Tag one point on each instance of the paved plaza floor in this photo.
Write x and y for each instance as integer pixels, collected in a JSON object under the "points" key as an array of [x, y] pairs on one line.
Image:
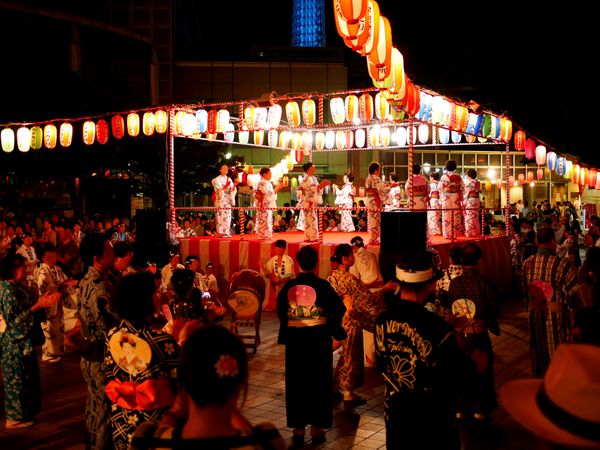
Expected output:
{"points": [[61, 423]]}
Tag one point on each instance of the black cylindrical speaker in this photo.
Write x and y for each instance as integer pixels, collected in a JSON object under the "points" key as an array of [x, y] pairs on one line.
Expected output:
{"points": [[403, 231], [150, 236]]}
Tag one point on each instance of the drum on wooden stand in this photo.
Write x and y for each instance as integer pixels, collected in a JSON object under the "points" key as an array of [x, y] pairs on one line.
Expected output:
{"points": [[247, 293]]}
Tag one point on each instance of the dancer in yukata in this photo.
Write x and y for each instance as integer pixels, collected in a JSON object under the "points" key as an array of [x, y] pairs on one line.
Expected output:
{"points": [[419, 187], [434, 217], [451, 187], [395, 193], [378, 196], [225, 191], [472, 204], [265, 198], [312, 196], [344, 197]]}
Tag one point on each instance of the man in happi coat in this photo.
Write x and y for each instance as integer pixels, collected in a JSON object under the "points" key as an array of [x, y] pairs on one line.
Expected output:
{"points": [[225, 192], [265, 199], [312, 196], [471, 193], [434, 217], [420, 188], [451, 187], [344, 197], [378, 196]]}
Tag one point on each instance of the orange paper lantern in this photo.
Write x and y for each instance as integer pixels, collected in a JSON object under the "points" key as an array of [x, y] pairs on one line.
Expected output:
{"points": [[148, 123], [592, 174], [351, 108], [519, 141], [161, 121], [540, 173], [576, 173], [308, 112], [292, 112], [365, 107], [530, 176], [133, 124], [50, 135], [65, 134], [89, 132], [381, 57]]}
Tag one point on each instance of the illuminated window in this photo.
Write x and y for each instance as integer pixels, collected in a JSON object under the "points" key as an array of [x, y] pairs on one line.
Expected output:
{"points": [[308, 23]]}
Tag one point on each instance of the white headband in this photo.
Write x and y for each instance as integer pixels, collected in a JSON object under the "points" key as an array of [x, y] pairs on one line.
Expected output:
{"points": [[418, 276]]}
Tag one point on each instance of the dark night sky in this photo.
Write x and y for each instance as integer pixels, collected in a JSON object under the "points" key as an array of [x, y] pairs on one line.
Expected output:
{"points": [[535, 65]]}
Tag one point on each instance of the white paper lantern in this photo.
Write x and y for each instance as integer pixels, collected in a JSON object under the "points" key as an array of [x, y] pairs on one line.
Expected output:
{"points": [[23, 139]]}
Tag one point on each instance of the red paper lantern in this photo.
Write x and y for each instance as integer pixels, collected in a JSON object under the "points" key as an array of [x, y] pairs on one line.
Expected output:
{"points": [[351, 10], [118, 126], [521, 178], [576, 173], [212, 122], [530, 176], [529, 149], [520, 140], [298, 155], [102, 131], [380, 58], [540, 173], [592, 174]]}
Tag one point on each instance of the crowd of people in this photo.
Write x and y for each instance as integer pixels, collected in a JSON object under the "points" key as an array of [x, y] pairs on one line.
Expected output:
{"points": [[70, 286]]}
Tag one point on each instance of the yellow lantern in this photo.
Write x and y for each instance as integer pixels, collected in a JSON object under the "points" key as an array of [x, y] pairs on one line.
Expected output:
{"points": [[488, 185], [161, 121], [50, 136], [148, 123], [296, 141], [382, 107], [374, 135], [65, 134], [336, 106], [37, 137], [385, 136], [292, 112], [351, 106], [133, 124], [249, 117], [8, 140], [89, 132], [259, 137], [308, 112], [289, 160], [23, 139]]}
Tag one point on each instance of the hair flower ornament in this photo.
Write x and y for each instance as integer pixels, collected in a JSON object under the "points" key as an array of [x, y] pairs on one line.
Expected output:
{"points": [[227, 366]]}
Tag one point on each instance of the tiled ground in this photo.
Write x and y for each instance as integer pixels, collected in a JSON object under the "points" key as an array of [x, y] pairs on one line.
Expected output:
{"points": [[61, 422]]}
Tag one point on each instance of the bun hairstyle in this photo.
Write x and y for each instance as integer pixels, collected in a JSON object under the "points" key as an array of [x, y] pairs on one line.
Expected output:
{"points": [[307, 166], [451, 165], [350, 177], [214, 365]]}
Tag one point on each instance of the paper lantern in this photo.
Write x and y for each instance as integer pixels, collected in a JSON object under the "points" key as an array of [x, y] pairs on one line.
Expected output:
{"points": [[496, 127], [597, 181], [8, 140], [505, 129], [37, 137], [359, 138], [259, 137], [161, 121], [340, 140], [568, 170], [365, 107], [211, 122], [583, 176], [148, 123], [371, 24], [50, 135], [201, 118], [592, 174], [385, 136], [272, 138], [380, 58], [455, 137], [329, 139], [337, 109], [488, 185], [374, 136], [382, 107], [474, 124], [443, 135], [307, 141], [260, 117], [298, 156], [292, 112], [540, 155], [576, 173], [499, 184], [551, 161], [530, 176], [65, 134], [347, 28], [425, 110], [274, 116], [351, 10], [451, 120], [189, 126], [470, 138], [423, 133], [249, 112], [23, 139], [462, 118], [530, 149], [229, 134], [296, 141], [521, 178], [395, 83], [540, 173], [400, 136], [320, 140], [133, 124], [561, 166], [308, 112], [243, 135], [89, 132], [519, 141], [487, 126], [118, 126], [351, 108]]}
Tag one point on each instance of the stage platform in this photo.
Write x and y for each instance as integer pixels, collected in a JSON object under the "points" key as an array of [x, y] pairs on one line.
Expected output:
{"points": [[232, 254]]}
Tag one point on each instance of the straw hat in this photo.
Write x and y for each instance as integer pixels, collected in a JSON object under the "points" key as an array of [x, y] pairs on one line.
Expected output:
{"points": [[564, 406]]}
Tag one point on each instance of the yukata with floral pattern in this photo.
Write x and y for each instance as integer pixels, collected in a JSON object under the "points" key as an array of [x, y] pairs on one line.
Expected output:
{"points": [[434, 217], [265, 199], [366, 305], [312, 197], [344, 197], [225, 192], [451, 187], [378, 196], [49, 279], [149, 369], [20, 370], [472, 204]]}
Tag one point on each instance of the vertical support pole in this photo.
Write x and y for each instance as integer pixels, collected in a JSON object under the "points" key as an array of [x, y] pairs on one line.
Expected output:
{"points": [[172, 168], [507, 207], [411, 198]]}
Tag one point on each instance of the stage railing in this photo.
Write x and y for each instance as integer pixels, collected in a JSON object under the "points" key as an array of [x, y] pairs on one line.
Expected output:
{"points": [[321, 209]]}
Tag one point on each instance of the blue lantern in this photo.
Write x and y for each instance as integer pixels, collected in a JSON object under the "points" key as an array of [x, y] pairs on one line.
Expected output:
{"points": [[551, 160], [455, 136], [444, 135], [561, 166]]}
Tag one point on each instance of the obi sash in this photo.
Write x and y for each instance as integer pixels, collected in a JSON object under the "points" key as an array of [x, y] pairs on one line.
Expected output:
{"points": [[145, 396], [420, 190], [434, 194], [454, 185]]}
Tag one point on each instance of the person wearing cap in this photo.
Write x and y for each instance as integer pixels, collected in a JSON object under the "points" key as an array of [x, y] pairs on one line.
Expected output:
{"points": [[225, 191], [210, 280], [193, 263], [366, 266], [344, 197], [167, 271], [451, 188], [421, 361], [474, 298], [378, 195], [562, 407], [278, 269], [312, 196], [472, 202], [265, 198], [420, 188]]}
